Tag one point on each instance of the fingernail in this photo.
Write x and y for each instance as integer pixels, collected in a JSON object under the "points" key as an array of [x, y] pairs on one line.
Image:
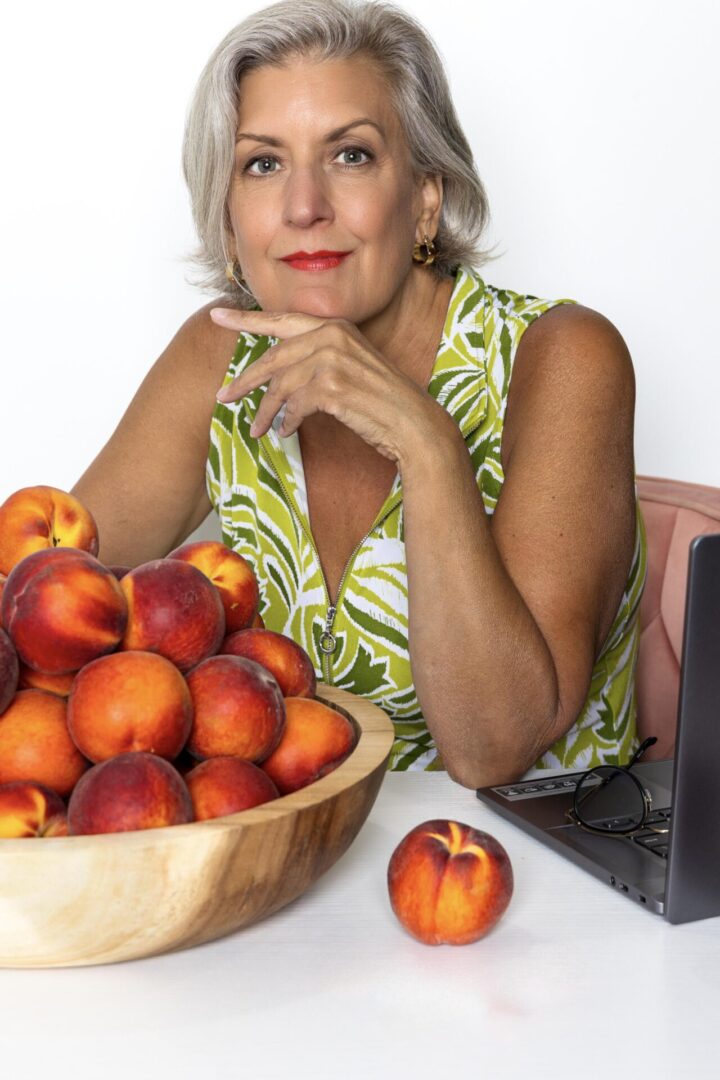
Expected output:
{"points": [[254, 429], [218, 314]]}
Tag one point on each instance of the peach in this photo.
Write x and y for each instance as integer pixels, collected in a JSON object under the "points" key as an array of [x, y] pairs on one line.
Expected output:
{"points": [[316, 740], [41, 518], [173, 610], [131, 791], [62, 608], [226, 785], [40, 680], [448, 882], [9, 671], [3, 579], [129, 701], [35, 743], [238, 707], [287, 661], [30, 809], [232, 575]]}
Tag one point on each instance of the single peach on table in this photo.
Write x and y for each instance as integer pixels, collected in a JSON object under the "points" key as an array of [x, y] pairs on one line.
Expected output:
{"points": [[40, 518], [174, 610], [9, 671], [316, 740], [226, 785], [40, 680], [129, 701], [448, 882], [63, 608], [286, 660], [132, 791], [29, 809], [238, 709], [35, 743], [232, 575]]}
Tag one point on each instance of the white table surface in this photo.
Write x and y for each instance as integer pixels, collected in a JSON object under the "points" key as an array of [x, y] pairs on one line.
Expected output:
{"points": [[574, 981]]}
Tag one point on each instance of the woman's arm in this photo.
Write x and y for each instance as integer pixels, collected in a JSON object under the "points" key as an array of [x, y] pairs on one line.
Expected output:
{"points": [[507, 614], [146, 487]]}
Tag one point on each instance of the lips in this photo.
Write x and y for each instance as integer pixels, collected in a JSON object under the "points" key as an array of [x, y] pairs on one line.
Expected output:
{"points": [[315, 260]]}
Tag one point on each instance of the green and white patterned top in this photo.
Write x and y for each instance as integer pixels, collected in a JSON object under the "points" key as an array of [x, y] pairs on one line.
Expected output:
{"points": [[258, 490]]}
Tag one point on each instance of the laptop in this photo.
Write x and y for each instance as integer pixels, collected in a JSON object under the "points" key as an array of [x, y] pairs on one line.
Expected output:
{"points": [[675, 873]]}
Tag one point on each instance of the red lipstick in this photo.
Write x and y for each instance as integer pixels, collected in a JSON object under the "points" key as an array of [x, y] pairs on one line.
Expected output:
{"points": [[315, 260]]}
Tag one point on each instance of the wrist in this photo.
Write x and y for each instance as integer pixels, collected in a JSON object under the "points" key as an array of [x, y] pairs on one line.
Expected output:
{"points": [[438, 446]]}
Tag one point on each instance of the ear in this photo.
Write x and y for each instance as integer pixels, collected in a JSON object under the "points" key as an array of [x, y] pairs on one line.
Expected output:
{"points": [[430, 196]]}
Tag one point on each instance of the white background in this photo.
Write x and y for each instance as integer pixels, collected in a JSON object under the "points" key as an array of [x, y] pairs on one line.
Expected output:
{"points": [[594, 127]]}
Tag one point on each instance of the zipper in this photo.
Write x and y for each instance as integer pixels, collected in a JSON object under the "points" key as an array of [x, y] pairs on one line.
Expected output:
{"points": [[328, 641]]}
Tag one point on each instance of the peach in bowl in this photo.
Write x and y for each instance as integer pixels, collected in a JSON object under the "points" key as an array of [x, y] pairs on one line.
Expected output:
{"points": [[106, 897]]}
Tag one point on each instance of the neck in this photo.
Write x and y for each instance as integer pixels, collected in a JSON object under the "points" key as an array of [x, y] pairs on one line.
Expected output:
{"points": [[407, 333]]}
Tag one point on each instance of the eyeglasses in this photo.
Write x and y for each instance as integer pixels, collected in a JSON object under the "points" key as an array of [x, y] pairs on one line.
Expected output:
{"points": [[610, 799]]}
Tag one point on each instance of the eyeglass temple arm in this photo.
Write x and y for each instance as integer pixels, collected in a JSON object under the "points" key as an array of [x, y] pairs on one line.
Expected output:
{"points": [[650, 741]]}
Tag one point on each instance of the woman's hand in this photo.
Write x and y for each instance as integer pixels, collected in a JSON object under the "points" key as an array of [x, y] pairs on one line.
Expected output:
{"points": [[327, 365]]}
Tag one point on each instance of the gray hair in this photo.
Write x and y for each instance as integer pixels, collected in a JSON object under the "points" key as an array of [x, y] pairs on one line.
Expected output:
{"points": [[331, 29]]}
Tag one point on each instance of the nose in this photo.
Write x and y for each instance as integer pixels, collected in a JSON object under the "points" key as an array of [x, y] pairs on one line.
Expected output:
{"points": [[306, 197]]}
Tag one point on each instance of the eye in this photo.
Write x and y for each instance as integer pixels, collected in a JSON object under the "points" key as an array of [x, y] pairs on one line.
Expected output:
{"points": [[262, 159], [355, 150]]}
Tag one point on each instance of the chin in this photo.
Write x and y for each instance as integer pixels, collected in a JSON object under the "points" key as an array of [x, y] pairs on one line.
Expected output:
{"points": [[320, 301]]}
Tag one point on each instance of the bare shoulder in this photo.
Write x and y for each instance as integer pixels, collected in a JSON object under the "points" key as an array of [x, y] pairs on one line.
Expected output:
{"points": [[201, 346], [575, 342], [571, 361]]}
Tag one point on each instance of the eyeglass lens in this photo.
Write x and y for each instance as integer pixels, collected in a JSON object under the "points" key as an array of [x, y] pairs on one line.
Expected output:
{"points": [[609, 798]]}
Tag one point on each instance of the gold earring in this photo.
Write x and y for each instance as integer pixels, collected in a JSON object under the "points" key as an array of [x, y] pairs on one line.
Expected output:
{"points": [[233, 274], [426, 257]]}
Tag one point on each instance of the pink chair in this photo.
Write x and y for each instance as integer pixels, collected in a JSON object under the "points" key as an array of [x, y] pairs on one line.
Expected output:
{"points": [[675, 512]]}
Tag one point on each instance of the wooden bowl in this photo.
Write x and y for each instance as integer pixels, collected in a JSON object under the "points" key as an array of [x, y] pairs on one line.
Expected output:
{"points": [[73, 900]]}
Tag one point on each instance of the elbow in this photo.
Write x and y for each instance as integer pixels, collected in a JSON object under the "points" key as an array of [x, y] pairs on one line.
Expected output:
{"points": [[489, 761]]}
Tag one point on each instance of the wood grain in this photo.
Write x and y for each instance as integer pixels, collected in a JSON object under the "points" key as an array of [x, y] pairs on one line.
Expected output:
{"points": [[77, 900]]}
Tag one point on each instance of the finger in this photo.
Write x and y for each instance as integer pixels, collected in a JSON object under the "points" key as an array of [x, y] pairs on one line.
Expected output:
{"points": [[280, 324], [280, 389], [258, 374], [303, 403], [277, 359]]}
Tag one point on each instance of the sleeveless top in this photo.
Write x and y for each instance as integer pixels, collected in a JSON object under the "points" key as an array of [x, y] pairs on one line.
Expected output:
{"points": [[360, 644]]}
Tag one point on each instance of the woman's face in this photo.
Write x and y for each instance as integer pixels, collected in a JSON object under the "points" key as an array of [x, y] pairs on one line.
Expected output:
{"points": [[301, 186]]}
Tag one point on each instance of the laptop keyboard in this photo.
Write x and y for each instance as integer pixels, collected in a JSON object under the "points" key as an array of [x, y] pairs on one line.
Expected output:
{"points": [[650, 838]]}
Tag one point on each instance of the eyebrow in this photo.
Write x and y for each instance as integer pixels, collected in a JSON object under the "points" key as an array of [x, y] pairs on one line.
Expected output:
{"points": [[331, 136]]}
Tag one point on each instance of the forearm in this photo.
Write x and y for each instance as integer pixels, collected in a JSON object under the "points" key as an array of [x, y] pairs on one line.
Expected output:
{"points": [[484, 676]]}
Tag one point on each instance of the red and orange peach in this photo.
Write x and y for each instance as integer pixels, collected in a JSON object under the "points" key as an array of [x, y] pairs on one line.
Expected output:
{"points": [[129, 701], [283, 658], [238, 709], [30, 809], [132, 791], [232, 575], [62, 608], [315, 741], [174, 610], [9, 671], [40, 680], [35, 743], [448, 882], [41, 518], [226, 785]]}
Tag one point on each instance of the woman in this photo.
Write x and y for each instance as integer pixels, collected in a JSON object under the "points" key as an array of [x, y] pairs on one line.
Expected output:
{"points": [[431, 476]]}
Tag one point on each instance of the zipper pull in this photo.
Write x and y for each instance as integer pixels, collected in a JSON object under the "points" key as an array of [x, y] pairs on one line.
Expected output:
{"points": [[327, 638]]}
